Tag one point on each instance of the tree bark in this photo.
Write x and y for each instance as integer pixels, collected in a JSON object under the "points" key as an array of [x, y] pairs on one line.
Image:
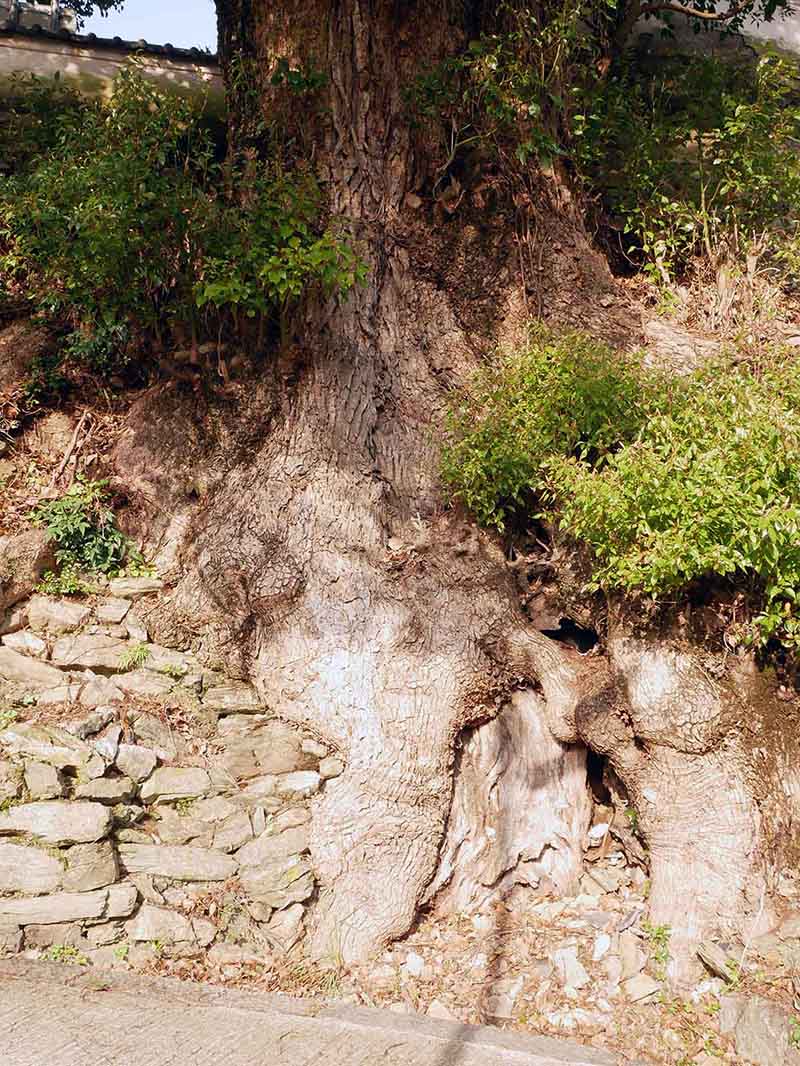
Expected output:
{"points": [[322, 564], [355, 603]]}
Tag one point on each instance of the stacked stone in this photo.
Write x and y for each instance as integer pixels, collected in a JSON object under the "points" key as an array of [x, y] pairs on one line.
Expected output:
{"points": [[114, 831]]}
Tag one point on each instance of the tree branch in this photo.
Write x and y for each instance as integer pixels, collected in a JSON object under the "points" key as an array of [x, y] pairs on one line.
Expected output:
{"points": [[693, 12]]}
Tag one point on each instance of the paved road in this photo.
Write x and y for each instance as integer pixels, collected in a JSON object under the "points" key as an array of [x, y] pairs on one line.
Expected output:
{"points": [[51, 1015]]}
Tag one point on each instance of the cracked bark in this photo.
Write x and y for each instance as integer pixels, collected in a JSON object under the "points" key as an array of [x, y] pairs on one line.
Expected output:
{"points": [[322, 566]]}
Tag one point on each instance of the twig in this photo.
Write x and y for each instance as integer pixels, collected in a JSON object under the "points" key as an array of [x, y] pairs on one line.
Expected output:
{"points": [[68, 452]]}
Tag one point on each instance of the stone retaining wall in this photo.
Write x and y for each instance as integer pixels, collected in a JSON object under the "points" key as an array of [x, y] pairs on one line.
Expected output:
{"points": [[148, 805]]}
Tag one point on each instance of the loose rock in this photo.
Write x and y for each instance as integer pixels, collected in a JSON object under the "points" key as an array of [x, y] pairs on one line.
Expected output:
{"points": [[56, 617], [90, 651], [43, 781], [26, 644], [175, 782], [59, 821], [90, 866], [159, 923], [31, 672], [135, 762], [109, 790], [183, 863], [132, 588], [271, 847], [27, 869]]}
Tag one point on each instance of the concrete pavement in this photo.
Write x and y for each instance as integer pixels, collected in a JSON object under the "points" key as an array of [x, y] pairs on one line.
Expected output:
{"points": [[56, 1015]]}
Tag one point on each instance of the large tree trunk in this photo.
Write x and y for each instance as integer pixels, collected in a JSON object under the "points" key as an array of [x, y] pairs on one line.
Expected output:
{"points": [[323, 566], [357, 606]]}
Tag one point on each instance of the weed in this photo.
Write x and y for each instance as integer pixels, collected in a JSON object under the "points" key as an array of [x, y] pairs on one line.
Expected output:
{"points": [[134, 656], [794, 1032], [66, 953], [86, 534], [658, 937], [184, 806], [174, 671], [68, 581], [8, 715], [121, 951]]}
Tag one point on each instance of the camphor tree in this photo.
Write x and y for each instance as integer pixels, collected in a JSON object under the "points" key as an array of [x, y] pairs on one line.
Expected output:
{"points": [[323, 563]]}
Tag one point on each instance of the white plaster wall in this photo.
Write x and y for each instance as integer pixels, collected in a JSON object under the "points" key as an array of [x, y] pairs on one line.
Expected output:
{"points": [[94, 69], [785, 32]]}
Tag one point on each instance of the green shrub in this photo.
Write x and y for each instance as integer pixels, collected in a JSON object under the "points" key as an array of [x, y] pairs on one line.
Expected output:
{"points": [[120, 218], [691, 153], [667, 482], [86, 534], [558, 396]]}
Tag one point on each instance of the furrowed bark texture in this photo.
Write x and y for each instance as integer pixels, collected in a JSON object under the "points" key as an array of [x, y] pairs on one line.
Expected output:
{"points": [[321, 565], [322, 558]]}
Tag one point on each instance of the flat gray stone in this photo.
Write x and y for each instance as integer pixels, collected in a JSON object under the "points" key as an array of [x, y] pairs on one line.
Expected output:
{"points": [[26, 644], [136, 629], [255, 744], [132, 588], [177, 829], [24, 557], [150, 1022], [167, 661], [47, 743], [106, 743], [153, 733], [67, 693], [159, 923], [232, 697], [90, 866], [233, 832], [11, 780], [28, 671], [14, 619], [762, 1033], [58, 821], [569, 968], [10, 937], [55, 909], [214, 809], [144, 683], [121, 901], [28, 869], [279, 883], [89, 725], [42, 781], [175, 782], [270, 847], [180, 862], [111, 790], [113, 610], [100, 692], [640, 987], [285, 928], [56, 617], [88, 651], [331, 767], [135, 761], [300, 783]]}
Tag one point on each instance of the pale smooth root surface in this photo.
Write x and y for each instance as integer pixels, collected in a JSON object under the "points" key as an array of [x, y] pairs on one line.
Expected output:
{"points": [[53, 1015]]}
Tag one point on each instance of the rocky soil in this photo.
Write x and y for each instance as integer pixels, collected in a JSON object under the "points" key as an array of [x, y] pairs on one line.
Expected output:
{"points": [[154, 817]]}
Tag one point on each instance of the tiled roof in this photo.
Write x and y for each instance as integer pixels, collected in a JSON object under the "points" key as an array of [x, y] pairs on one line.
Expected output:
{"points": [[91, 40]]}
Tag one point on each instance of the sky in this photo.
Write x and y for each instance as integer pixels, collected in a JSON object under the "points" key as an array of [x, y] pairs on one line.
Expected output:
{"points": [[184, 23]]}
